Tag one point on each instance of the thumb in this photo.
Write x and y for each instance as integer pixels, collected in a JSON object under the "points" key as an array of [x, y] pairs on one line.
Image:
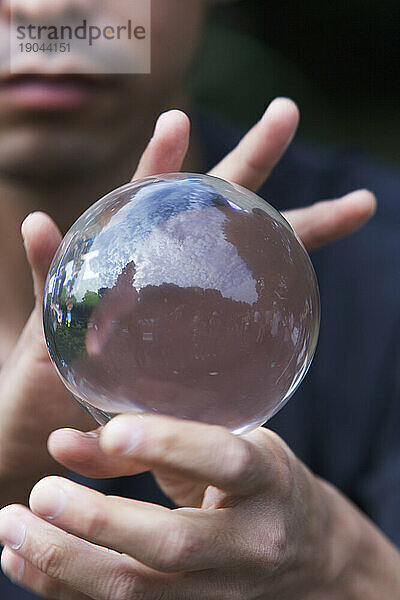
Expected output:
{"points": [[41, 239]]}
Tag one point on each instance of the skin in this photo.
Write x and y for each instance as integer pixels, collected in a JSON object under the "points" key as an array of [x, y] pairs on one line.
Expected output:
{"points": [[266, 527], [28, 376], [251, 512], [102, 140], [254, 522]]}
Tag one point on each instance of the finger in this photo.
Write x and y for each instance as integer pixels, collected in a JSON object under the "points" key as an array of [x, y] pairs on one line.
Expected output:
{"points": [[250, 163], [163, 539], [330, 220], [167, 587], [97, 572], [80, 452], [167, 149], [41, 238], [196, 451], [22, 573]]}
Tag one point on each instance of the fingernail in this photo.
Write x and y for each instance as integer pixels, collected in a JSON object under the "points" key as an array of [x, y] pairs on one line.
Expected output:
{"points": [[48, 501], [270, 107], [160, 121], [12, 530], [122, 435], [282, 101], [12, 565], [23, 224], [92, 435]]}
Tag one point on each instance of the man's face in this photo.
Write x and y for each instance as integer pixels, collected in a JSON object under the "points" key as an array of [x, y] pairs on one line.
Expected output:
{"points": [[79, 124]]}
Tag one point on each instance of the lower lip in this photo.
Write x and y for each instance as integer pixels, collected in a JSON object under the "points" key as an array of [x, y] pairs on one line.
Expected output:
{"points": [[46, 94]]}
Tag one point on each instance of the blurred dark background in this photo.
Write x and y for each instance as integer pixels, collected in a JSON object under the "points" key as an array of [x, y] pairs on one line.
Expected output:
{"points": [[338, 60]]}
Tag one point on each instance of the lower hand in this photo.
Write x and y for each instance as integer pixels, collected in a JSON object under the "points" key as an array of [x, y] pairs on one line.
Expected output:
{"points": [[263, 528]]}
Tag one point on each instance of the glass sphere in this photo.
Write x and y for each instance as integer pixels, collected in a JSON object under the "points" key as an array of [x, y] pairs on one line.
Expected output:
{"points": [[183, 295]]}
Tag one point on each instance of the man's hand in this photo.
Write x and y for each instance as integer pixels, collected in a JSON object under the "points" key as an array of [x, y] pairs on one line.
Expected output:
{"points": [[33, 401], [266, 527], [250, 164]]}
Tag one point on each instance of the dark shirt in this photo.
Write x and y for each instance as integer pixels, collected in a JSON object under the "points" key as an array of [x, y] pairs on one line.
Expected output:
{"points": [[344, 421]]}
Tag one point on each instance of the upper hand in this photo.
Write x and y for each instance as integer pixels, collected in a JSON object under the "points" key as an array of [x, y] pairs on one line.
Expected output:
{"points": [[250, 164], [33, 401]]}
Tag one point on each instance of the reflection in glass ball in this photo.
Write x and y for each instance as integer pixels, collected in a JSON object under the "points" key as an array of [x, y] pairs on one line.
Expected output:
{"points": [[183, 295]]}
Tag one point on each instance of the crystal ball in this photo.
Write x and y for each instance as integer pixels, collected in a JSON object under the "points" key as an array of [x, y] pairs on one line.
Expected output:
{"points": [[182, 295]]}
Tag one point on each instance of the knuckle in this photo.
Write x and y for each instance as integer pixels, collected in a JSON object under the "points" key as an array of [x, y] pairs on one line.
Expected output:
{"points": [[320, 205], [161, 445], [47, 587], [166, 446], [232, 593], [96, 520], [284, 473], [124, 585], [51, 560], [177, 550], [277, 545], [239, 461]]}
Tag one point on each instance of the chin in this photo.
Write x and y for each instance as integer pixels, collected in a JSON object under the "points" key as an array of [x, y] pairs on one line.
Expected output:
{"points": [[37, 156]]}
